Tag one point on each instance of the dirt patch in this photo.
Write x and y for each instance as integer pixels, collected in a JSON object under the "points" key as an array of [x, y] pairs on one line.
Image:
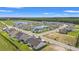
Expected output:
{"points": [[63, 38], [53, 48]]}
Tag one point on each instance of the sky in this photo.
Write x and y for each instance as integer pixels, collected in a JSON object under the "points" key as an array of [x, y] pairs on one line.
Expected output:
{"points": [[39, 11]]}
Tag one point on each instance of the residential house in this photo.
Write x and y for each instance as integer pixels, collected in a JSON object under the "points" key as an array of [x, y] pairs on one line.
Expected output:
{"points": [[35, 43], [22, 37], [11, 31], [39, 29], [23, 25], [32, 41], [66, 29]]}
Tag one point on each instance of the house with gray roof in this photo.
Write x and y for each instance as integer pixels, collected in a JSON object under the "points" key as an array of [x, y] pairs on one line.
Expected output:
{"points": [[32, 41], [66, 29], [22, 37], [11, 31], [38, 29], [23, 25], [35, 43]]}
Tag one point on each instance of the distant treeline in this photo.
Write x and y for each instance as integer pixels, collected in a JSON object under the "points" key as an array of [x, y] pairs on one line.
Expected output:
{"points": [[57, 19]]}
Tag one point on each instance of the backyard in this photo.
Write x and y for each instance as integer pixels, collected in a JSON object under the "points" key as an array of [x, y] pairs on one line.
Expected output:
{"points": [[11, 44]]}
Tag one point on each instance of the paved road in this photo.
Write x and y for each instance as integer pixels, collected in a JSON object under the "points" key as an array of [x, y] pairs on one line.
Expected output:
{"points": [[47, 39], [51, 41], [56, 30], [27, 32]]}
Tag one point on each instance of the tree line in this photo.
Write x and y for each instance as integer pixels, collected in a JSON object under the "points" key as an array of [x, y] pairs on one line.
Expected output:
{"points": [[56, 19]]}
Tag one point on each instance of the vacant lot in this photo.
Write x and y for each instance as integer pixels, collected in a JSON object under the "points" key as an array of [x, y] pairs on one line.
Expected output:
{"points": [[75, 32], [53, 48], [70, 40], [8, 22]]}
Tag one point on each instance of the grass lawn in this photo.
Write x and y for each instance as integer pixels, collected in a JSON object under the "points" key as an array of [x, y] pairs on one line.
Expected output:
{"points": [[21, 20], [11, 41], [20, 46], [74, 33], [5, 45], [9, 22], [77, 26]]}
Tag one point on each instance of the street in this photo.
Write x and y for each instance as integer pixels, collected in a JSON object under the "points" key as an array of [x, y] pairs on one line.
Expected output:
{"points": [[51, 41]]}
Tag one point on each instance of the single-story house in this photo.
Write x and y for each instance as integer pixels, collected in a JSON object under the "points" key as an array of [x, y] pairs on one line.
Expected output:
{"points": [[32, 41], [23, 25], [22, 36], [35, 43], [11, 31], [66, 30], [39, 28]]}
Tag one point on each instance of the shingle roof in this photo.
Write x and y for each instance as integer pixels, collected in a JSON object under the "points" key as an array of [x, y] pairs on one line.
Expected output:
{"points": [[39, 27], [34, 41], [21, 22]]}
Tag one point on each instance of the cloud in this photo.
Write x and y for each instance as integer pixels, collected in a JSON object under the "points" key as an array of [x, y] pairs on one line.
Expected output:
{"points": [[50, 13], [72, 11], [16, 7], [6, 11], [45, 13]]}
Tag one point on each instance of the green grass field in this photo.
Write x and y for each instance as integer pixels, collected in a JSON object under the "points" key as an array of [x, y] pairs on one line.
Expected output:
{"points": [[5, 45], [10, 44], [75, 32], [5, 39], [13, 42]]}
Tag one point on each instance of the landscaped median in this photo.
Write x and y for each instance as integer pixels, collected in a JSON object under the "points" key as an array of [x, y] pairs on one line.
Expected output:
{"points": [[18, 45]]}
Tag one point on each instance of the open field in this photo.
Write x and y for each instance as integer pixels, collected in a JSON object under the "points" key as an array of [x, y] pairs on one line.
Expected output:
{"points": [[18, 45], [77, 26], [5, 45], [11, 44], [8, 22], [70, 40], [53, 48], [75, 32], [39, 29], [58, 19]]}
